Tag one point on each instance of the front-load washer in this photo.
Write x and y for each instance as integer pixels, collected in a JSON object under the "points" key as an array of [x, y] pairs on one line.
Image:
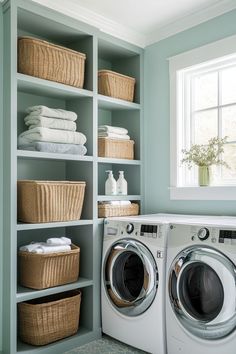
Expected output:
{"points": [[133, 282], [201, 287]]}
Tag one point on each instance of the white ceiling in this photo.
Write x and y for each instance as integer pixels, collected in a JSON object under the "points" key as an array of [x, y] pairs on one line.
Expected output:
{"points": [[142, 21]]}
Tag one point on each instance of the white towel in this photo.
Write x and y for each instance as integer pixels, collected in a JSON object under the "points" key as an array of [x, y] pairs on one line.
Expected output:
{"points": [[52, 136], [31, 247], [33, 121], [51, 249], [116, 202], [113, 136], [51, 112], [59, 241], [110, 129]]}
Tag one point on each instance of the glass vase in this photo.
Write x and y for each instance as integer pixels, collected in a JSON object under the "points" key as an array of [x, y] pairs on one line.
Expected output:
{"points": [[203, 176]]}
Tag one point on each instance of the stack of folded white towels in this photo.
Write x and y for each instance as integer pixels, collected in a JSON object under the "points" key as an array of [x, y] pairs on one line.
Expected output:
{"points": [[116, 202], [52, 130], [107, 131], [52, 245]]}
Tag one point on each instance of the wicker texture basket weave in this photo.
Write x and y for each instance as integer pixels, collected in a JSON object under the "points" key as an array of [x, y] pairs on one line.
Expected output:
{"points": [[51, 62], [116, 85], [107, 210], [120, 149], [41, 271], [49, 201], [49, 319]]}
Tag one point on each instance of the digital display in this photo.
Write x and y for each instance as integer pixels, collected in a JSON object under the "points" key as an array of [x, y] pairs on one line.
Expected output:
{"points": [[227, 234], [149, 229]]}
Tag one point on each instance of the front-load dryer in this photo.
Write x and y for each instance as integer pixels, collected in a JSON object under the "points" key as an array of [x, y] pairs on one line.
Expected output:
{"points": [[201, 288], [133, 282]]}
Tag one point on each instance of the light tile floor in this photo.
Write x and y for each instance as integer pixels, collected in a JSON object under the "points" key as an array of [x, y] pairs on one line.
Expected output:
{"points": [[105, 345]]}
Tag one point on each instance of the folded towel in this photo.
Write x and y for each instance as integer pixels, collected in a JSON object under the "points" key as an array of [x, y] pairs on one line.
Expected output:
{"points": [[33, 121], [116, 202], [51, 248], [59, 241], [56, 148], [31, 247], [51, 112], [52, 136], [110, 129], [43, 247], [113, 136]]}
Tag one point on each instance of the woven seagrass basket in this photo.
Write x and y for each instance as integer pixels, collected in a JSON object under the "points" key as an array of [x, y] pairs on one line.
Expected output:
{"points": [[48, 319], [41, 271], [107, 210], [49, 201], [50, 62], [116, 85], [120, 149]]}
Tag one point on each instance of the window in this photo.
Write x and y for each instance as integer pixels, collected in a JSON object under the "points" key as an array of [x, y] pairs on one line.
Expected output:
{"points": [[203, 106]]}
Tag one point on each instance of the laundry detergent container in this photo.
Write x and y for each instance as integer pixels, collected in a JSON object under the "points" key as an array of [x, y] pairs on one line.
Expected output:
{"points": [[49, 201]]}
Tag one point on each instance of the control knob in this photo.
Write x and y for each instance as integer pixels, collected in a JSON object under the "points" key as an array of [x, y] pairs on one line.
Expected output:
{"points": [[203, 234], [129, 228]]}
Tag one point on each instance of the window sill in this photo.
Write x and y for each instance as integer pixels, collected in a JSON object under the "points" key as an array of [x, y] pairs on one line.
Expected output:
{"points": [[203, 193]]}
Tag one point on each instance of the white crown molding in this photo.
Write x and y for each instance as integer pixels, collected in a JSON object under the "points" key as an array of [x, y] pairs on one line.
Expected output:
{"points": [[73, 9], [190, 20]]}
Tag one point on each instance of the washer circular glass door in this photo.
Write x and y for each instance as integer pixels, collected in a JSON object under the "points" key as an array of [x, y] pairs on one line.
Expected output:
{"points": [[202, 290], [130, 277]]}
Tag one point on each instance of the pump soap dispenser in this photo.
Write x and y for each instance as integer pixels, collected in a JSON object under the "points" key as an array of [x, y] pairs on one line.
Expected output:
{"points": [[110, 185], [122, 186]]}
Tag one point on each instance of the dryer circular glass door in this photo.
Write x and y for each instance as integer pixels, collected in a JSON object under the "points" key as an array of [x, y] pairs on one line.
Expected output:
{"points": [[130, 277], [203, 292]]}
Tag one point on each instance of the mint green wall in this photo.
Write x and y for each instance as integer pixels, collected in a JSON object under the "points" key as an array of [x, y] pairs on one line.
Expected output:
{"points": [[157, 121]]}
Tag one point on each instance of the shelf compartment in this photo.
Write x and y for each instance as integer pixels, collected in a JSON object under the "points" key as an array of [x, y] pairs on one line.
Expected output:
{"points": [[25, 227], [118, 161], [41, 87], [83, 336], [25, 154], [105, 198], [131, 174], [110, 103], [25, 294]]}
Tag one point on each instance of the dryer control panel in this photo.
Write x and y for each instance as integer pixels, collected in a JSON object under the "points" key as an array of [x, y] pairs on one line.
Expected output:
{"points": [[227, 236]]}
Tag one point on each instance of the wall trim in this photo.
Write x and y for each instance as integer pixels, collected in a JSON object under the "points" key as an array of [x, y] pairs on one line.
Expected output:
{"points": [[190, 20], [102, 23]]}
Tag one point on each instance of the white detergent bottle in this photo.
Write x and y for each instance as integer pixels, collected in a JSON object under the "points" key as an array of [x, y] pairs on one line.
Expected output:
{"points": [[122, 185], [110, 185]]}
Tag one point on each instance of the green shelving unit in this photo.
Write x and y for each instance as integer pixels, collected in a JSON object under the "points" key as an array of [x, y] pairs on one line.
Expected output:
{"points": [[24, 17]]}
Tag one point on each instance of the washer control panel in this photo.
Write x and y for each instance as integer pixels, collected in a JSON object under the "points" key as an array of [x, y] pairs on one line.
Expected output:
{"points": [[227, 236], [115, 228]]}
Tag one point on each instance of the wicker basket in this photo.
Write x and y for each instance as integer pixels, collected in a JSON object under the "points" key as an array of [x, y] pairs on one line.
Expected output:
{"points": [[41, 271], [49, 201], [116, 85], [48, 319], [120, 149], [51, 62], [107, 210]]}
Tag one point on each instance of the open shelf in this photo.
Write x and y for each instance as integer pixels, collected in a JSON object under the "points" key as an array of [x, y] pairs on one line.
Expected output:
{"points": [[84, 335], [118, 161], [24, 294], [28, 18], [51, 156], [107, 102], [34, 85], [49, 225]]}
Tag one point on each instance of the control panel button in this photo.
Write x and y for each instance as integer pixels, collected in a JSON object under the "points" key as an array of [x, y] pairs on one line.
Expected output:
{"points": [[129, 228], [203, 234]]}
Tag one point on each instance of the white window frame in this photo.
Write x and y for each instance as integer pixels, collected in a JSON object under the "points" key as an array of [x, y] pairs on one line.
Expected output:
{"points": [[199, 56]]}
